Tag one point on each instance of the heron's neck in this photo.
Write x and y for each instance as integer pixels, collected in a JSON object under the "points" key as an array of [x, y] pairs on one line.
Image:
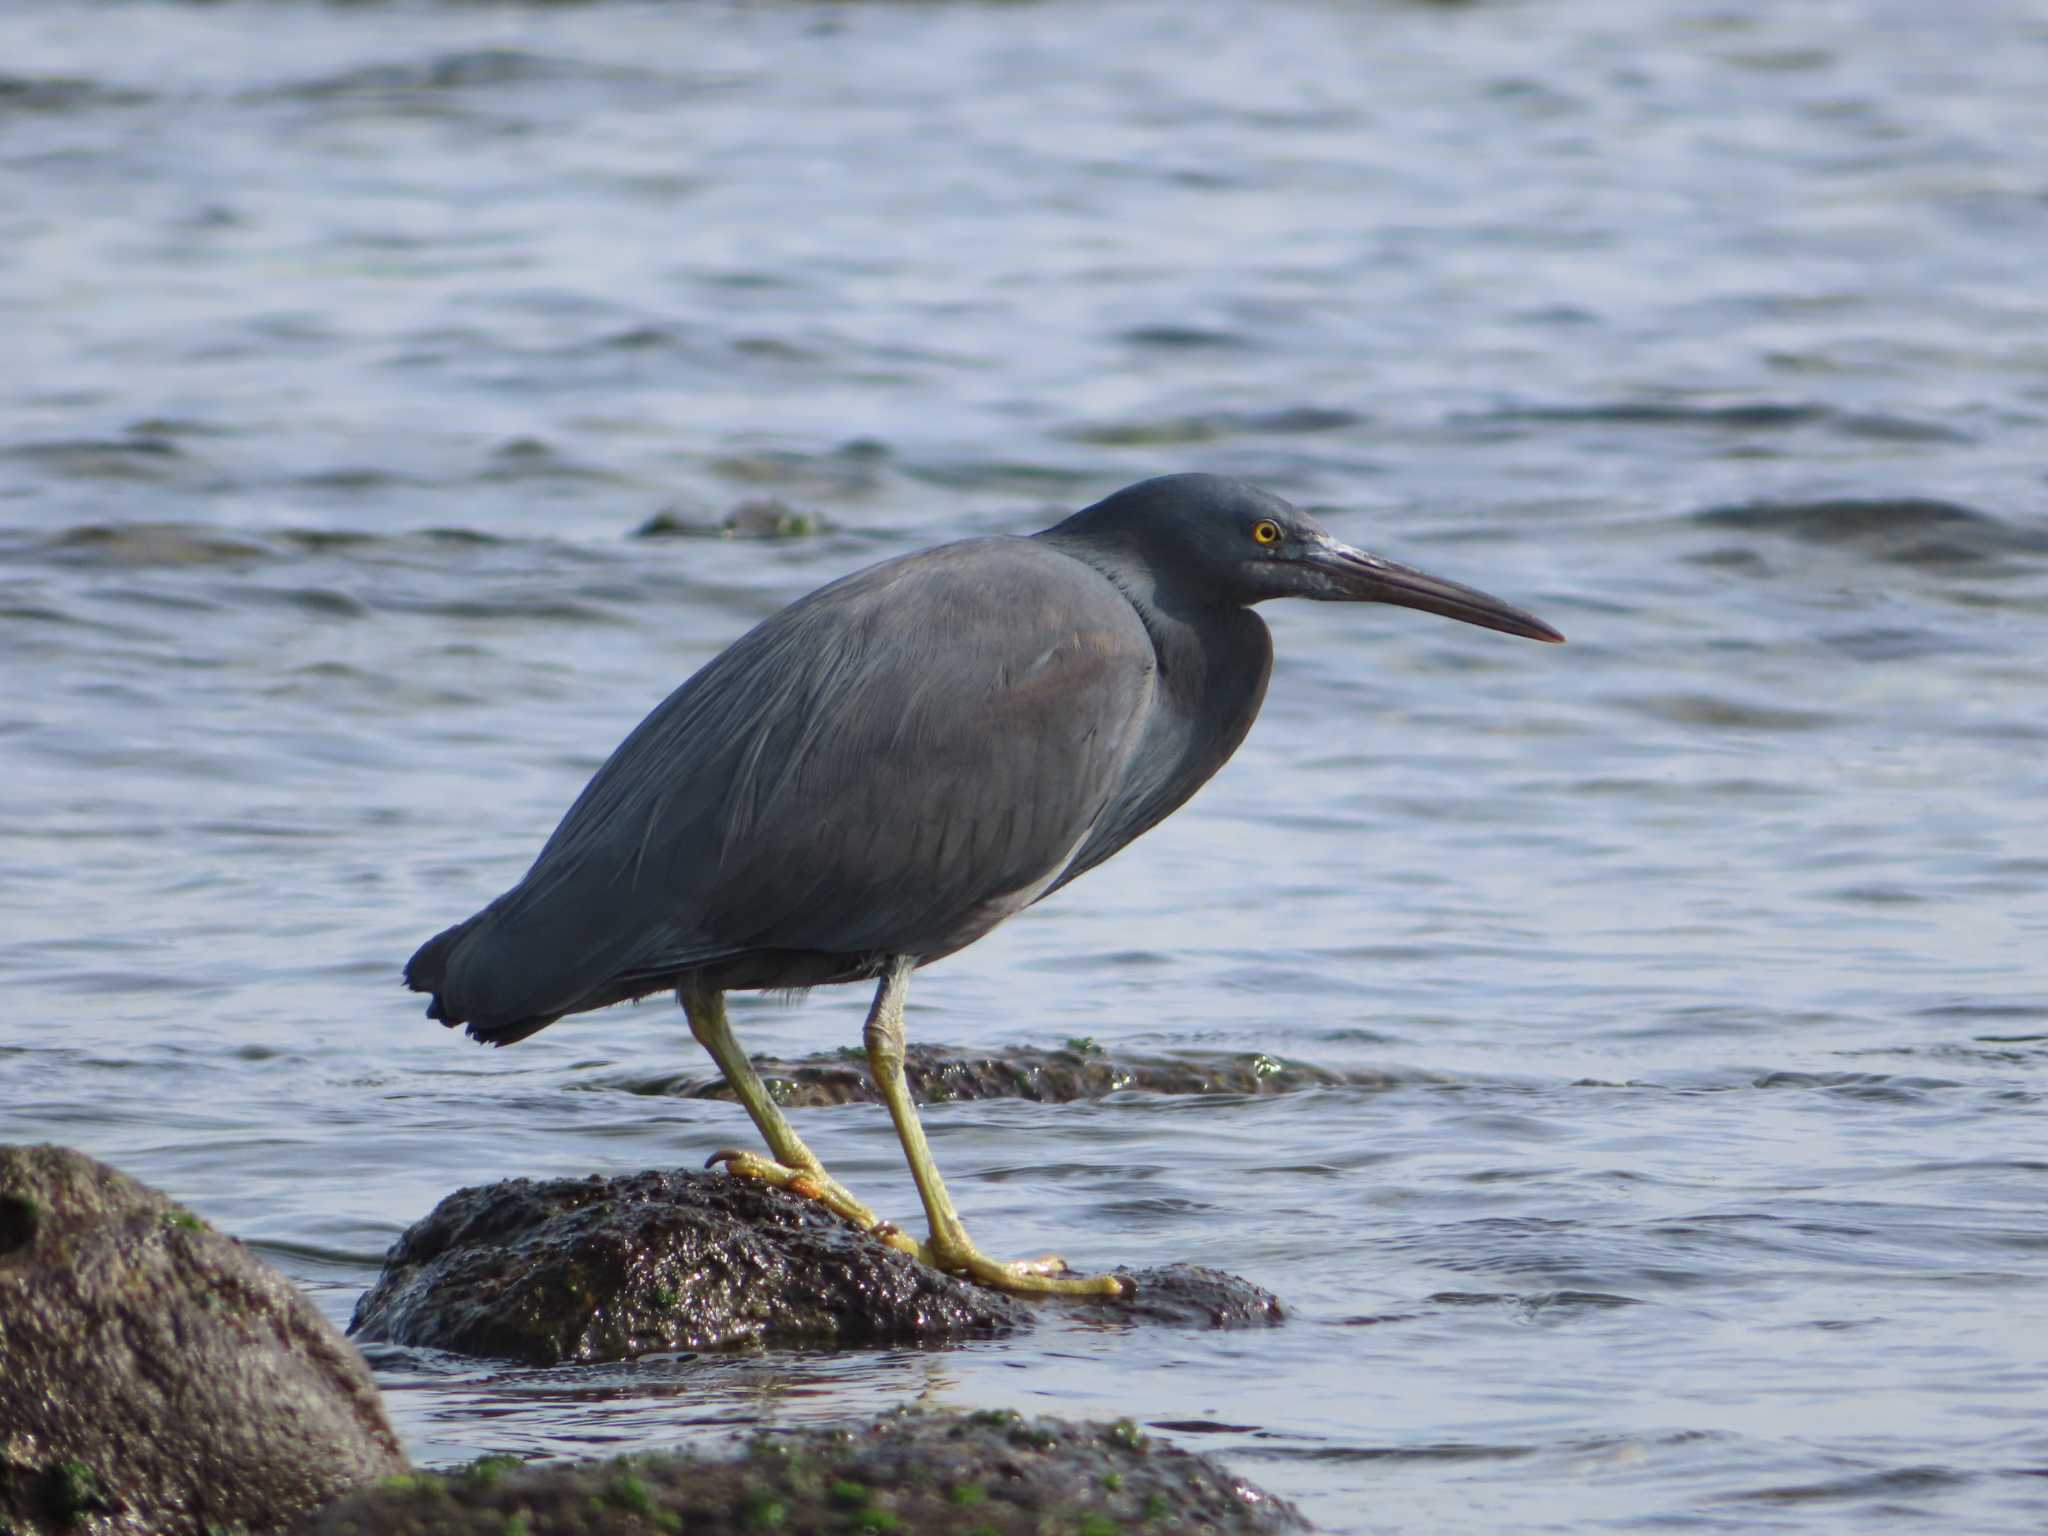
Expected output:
{"points": [[1192, 633]]}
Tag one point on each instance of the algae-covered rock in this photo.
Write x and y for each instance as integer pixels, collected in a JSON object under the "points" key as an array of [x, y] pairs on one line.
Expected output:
{"points": [[1083, 1070], [607, 1268], [157, 1377], [994, 1474], [763, 517]]}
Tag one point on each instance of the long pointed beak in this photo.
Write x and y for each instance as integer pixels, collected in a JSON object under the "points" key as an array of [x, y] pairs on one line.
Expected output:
{"points": [[1357, 577]]}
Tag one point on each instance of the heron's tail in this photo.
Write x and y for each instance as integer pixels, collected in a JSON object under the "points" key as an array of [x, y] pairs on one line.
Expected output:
{"points": [[433, 969], [427, 970]]}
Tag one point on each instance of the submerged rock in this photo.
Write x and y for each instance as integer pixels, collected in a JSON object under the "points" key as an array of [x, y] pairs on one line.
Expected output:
{"points": [[939, 1073], [608, 1268], [157, 1377], [934, 1474], [764, 517]]}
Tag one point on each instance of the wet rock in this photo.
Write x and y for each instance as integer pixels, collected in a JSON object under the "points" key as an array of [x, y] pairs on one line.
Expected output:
{"points": [[154, 1375], [1191, 1296], [608, 1268], [934, 1474], [1083, 1070], [604, 1269]]}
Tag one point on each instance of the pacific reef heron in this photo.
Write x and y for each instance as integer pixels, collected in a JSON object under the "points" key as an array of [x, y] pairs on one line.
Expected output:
{"points": [[880, 773]]}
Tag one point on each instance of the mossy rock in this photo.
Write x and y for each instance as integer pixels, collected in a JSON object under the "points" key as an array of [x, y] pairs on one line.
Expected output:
{"points": [[155, 1376], [931, 1474]]}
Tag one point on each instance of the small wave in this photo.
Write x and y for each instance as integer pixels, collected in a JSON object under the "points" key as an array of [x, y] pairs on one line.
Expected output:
{"points": [[1182, 338], [1202, 1427], [356, 480], [526, 608], [62, 93], [1905, 530], [1876, 1087], [454, 573], [1882, 427], [1876, 894], [459, 70], [1888, 1484], [1728, 714], [148, 543], [1431, 1451], [990, 476], [1738, 416], [1598, 1301], [139, 458], [1977, 1010], [1747, 416], [1892, 643], [1208, 426], [151, 544]]}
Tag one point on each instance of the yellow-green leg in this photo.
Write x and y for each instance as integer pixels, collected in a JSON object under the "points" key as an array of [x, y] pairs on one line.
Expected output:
{"points": [[795, 1168], [949, 1247]]}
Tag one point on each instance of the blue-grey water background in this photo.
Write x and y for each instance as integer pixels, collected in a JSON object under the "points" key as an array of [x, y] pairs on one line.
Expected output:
{"points": [[343, 349]]}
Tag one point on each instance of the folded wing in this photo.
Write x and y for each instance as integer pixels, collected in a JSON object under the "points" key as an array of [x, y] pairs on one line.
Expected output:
{"points": [[892, 765]]}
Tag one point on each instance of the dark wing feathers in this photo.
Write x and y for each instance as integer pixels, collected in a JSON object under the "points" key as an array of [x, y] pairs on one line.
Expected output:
{"points": [[891, 765]]}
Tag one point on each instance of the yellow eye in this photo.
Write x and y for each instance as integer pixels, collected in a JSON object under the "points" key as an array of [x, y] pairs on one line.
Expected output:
{"points": [[1267, 532]]}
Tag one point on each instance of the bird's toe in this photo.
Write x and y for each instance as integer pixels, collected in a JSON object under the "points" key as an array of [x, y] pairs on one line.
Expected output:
{"points": [[1046, 1275], [812, 1184]]}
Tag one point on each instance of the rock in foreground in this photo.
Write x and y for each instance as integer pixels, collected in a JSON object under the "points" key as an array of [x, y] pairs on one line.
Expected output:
{"points": [[992, 1474], [154, 1375], [605, 1269]]}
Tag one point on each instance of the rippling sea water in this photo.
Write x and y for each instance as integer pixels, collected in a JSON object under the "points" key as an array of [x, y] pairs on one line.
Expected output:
{"points": [[347, 347]]}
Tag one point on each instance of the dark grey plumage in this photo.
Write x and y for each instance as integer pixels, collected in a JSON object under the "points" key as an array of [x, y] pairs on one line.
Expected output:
{"points": [[885, 770], [839, 785], [901, 760]]}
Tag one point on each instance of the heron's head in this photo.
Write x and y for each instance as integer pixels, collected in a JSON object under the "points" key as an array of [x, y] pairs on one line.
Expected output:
{"points": [[1224, 540]]}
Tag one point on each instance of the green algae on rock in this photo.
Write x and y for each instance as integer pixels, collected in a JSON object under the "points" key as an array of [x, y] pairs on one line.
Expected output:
{"points": [[1084, 1070], [935, 1474]]}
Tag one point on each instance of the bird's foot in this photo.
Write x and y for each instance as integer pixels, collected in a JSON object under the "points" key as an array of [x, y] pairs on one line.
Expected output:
{"points": [[815, 1184], [1047, 1275]]}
